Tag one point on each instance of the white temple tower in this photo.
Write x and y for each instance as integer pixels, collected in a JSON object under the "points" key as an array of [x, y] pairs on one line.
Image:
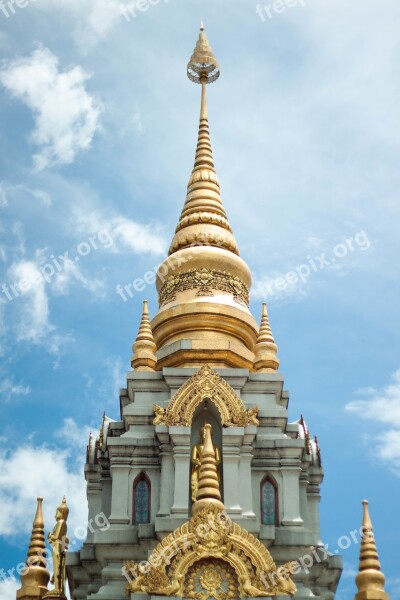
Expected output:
{"points": [[203, 359]]}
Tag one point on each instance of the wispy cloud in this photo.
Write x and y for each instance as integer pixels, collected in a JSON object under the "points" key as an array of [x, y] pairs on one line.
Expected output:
{"points": [[66, 116], [126, 233], [93, 20], [8, 191], [8, 588], [72, 273], [31, 471], [34, 324], [8, 389], [382, 406]]}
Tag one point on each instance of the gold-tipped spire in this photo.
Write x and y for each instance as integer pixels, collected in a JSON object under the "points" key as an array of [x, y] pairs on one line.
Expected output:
{"points": [[35, 578], [203, 219], [208, 486], [265, 351], [370, 579], [203, 285], [144, 348]]}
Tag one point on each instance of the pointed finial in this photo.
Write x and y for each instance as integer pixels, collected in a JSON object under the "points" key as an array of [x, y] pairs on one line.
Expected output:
{"points": [[35, 578], [63, 508], [370, 579], [265, 350], [208, 487], [203, 67], [144, 348], [203, 219], [101, 432]]}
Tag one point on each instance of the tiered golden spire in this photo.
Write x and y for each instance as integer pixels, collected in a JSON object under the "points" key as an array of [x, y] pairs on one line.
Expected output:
{"points": [[370, 579], [265, 351], [208, 487], [35, 578], [203, 285], [203, 219], [144, 348]]}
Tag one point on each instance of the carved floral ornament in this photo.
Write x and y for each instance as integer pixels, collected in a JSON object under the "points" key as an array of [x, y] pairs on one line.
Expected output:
{"points": [[205, 384], [206, 281], [210, 557]]}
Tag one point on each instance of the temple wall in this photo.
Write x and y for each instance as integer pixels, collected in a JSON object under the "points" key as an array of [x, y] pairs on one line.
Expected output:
{"points": [[134, 445]]}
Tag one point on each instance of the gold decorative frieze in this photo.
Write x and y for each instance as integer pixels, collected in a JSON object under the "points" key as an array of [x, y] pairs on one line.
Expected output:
{"points": [[208, 218], [210, 557], [205, 238], [206, 384], [206, 281]]}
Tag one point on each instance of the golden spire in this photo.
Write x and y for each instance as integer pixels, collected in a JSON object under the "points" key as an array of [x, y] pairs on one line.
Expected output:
{"points": [[208, 486], [370, 579], [203, 285], [265, 351], [144, 348], [203, 219], [35, 578]]}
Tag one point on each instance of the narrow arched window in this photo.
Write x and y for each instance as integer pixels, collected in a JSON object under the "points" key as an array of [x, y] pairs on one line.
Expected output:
{"points": [[141, 499], [269, 502]]}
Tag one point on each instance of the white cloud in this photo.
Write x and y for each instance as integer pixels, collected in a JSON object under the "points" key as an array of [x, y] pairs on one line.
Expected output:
{"points": [[271, 289], [74, 435], [93, 19], [66, 116], [34, 324], [9, 191], [105, 389], [382, 406], [3, 195], [137, 237], [125, 233], [8, 389], [30, 471], [3, 327], [8, 588], [71, 273]]}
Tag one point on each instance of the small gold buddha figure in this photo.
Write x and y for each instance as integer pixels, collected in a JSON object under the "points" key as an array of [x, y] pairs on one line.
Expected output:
{"points": [[197, 451], [59, 543]]}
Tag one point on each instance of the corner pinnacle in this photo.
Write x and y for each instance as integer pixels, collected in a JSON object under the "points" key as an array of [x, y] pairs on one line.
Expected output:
{"points": [[35, 578], [144, 348], [370, 579], [265, 350]]}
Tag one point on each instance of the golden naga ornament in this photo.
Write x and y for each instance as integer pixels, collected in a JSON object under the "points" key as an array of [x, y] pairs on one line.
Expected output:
{"points": [[206, 384], [210, 557]]}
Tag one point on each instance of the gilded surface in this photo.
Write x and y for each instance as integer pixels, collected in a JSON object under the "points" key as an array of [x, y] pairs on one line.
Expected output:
{"points": [[206, 281], [205, 384], [210, 557], [203, 217], [59, 543], [195, 460]]}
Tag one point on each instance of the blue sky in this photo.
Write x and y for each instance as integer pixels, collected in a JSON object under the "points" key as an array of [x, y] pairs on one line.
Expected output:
{"points": [[98, 130]]}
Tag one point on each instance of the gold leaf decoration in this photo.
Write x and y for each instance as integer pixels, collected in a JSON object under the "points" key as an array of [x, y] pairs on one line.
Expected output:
{"points": [[210, 557], [206, 281], [203, 385]]}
